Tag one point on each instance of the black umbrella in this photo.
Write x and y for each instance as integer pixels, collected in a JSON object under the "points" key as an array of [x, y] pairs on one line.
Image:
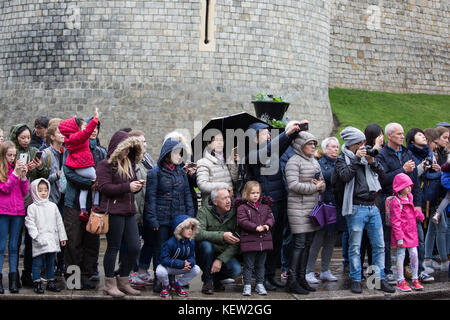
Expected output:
{"points": [[233, 126]]}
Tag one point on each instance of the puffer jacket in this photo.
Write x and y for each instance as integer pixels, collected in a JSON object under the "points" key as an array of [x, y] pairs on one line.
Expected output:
{"points": [[12, 193], [178, 249], [44, 223], [212, 230], [117, 197], [77, 142], [404, 215], [167, 193], [249, 217], [214, 173], [303, 194]]}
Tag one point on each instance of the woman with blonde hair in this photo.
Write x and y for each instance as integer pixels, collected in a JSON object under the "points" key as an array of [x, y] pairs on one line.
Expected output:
{"points": [[117, 184]]}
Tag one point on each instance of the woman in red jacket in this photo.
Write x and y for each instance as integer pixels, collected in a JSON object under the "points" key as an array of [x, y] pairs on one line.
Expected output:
{"points": [[255, 218], [76, 140]]}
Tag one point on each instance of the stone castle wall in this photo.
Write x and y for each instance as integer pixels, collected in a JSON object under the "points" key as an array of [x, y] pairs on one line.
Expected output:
{"points": [[144, 63], [395, 46], [140, 62]]}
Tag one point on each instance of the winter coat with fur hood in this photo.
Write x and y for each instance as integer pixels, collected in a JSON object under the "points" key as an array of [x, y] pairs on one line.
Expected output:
{"points": [[303, 194], [404, 216], [77, 142], [213, 173], [178, 249], [249, 217], [117, 197], [12, 193], [44, 223]]}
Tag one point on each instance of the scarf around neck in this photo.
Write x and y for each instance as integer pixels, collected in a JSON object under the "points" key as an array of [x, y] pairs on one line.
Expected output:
{"points": [[371, 179]]}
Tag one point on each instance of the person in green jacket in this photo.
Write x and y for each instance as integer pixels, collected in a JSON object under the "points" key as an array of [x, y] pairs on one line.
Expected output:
{"points": [[20, 135], [217, 241]]}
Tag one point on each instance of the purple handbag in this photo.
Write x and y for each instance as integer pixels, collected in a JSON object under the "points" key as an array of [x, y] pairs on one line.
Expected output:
{"points": [[323, 214]]}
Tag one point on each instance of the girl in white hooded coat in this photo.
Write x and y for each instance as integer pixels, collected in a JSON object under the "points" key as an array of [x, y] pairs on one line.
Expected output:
{"points": [[46, 229]]}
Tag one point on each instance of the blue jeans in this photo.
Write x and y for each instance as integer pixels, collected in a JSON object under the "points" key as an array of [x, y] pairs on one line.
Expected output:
{"points": [[421, 247], [367, 217], [205, 257], [437, 232], [46, 260], [13, 226], [345, 236]]}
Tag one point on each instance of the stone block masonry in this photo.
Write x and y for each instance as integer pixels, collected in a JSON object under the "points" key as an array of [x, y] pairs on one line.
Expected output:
{"points": [[139, 62], [395, 46]]}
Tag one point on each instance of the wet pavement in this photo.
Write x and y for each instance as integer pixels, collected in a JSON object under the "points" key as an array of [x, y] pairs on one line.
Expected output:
{"points": [[339, 290]]}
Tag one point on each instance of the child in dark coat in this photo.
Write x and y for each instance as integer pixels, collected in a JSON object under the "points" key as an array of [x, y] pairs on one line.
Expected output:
{"points": [[177, 256], [255, 218]]}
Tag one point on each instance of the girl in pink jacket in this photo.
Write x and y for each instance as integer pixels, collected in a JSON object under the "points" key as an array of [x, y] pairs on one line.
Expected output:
{"points": [[76, 140], [13, 188], [404, 235]]}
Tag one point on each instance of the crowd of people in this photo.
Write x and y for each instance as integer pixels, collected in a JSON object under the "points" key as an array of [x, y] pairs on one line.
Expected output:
{"points": [[386, 191]]}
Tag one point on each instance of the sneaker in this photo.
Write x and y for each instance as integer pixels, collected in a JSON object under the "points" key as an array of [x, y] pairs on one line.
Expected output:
{"points": [[247, 290], [390, 278], [444, 266], [284, 275], [386, 287], [435, 265], [260, 289], [95, 277], [227, 281], [310, 277], [164, 292], [327, 276], [146, 277], [427, 266], [408, 272], [403, 286], [134, 279], [423, 277], [180, 291], [416, 285]]}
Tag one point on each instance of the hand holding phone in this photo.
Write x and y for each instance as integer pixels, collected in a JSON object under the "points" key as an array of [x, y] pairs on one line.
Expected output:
{"points": [[38, 155]]}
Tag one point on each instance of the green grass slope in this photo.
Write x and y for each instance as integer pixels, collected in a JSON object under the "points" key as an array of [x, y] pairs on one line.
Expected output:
{"points": [[359, 108]]}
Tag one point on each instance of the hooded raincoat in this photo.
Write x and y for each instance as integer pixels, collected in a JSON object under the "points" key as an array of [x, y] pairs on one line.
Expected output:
{"points": [[77, 142], [44, 223], [404, 215]]}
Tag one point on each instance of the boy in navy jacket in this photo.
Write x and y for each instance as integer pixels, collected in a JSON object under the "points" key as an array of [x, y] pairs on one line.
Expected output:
{"points": [[177, 256]]}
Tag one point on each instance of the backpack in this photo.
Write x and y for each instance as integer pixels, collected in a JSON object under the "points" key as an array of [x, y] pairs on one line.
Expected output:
{"points": [[387, 219]]}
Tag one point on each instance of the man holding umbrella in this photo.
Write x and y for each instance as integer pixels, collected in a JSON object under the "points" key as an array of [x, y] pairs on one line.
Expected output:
{"points": [[264, 167]]}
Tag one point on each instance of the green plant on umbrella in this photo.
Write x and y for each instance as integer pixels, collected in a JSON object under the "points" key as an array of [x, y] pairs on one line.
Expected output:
{"points": [[268, 97]]}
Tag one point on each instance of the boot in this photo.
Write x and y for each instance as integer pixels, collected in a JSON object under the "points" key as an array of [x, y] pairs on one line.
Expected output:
{"points": [[51, 286], [111, 288], [37, 287], [124, 285], [302, 270], [275, 282], [13, 282], [2, 290], [27, 280], [292, 284]]}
